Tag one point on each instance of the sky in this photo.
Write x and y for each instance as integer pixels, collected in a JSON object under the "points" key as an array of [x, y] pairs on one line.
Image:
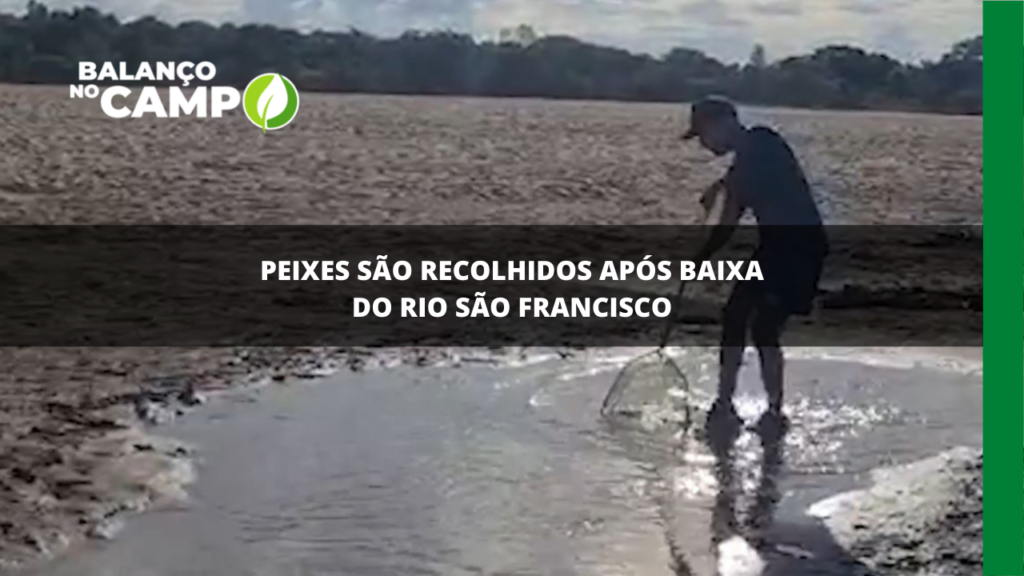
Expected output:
{"points": [[910, 30]]}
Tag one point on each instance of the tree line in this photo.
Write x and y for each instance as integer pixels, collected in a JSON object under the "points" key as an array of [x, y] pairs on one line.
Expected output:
{"points": [[45, 46]]}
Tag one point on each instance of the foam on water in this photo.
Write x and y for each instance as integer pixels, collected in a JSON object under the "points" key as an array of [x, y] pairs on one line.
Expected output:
{"points": [[736, 557]]}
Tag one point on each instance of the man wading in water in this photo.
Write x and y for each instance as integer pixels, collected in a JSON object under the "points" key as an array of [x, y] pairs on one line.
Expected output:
{"points": [[765, 178]]}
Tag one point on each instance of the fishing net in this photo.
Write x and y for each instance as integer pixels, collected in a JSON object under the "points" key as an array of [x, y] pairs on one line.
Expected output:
{"points": [[652, 388]]}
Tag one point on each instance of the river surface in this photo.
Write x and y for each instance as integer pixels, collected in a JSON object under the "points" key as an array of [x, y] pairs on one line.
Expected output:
{"points": [[509, 470]]}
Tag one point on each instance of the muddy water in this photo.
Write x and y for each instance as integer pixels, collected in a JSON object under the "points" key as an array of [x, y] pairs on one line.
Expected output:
{"points": [[482, 469]]}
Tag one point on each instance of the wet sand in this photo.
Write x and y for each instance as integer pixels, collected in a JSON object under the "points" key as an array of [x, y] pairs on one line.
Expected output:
{"points": [[369, 160], [419, 160], [73, 442]]}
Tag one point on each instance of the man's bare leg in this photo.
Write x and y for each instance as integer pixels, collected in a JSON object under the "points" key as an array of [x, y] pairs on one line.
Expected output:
{"points": [[735, 323], [772, 364], [730, 360], [723, 413], [767, 331]]}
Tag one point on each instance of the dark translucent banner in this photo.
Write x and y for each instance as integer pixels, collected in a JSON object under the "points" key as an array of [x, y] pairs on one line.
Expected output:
{"points": [[298, 286]]}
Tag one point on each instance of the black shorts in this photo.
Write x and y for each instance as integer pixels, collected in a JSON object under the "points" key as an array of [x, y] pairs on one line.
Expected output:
{"points": [[762, 307], [790, 280], [751, 309], [791, 260]]}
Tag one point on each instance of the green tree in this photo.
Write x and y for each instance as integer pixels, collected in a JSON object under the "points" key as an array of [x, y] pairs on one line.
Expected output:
{"points": [[758, 58], [46, 45]]}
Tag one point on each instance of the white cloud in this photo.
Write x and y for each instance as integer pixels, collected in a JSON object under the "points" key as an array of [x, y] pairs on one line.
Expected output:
{"points": [[727, 29]]}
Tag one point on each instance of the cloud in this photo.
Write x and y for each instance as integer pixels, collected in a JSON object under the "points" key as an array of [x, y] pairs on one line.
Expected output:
{"points": [[778, 8], [897, 39], [877, 7], [863, 7], [727, 29], [714, 13]]}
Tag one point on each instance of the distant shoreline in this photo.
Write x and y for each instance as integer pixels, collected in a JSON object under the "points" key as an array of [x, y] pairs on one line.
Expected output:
{"points": [[570, 100]]}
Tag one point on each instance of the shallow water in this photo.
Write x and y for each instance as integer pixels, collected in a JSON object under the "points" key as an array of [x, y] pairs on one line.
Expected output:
{"points": [[509, 470]]}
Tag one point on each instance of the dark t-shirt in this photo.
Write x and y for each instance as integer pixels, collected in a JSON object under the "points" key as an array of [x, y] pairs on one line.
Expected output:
{"points": [[767, 179]]}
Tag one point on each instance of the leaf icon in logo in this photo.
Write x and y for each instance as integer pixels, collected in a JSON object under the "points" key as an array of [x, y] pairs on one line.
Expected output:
{"points": [[272, 101]]}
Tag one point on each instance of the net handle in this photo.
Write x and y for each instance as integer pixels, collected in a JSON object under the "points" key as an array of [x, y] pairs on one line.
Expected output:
{"points": [[667, 331]]}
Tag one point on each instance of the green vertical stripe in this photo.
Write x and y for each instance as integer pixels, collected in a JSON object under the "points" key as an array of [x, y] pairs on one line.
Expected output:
{"points": [[1004, 287]]}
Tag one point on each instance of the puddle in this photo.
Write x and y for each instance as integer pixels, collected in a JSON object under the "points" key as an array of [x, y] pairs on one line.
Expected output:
{"points": [[510, 470]]}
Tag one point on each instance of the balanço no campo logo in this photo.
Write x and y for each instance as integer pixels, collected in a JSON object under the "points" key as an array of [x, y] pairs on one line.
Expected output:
{"points": [[270, 101]]}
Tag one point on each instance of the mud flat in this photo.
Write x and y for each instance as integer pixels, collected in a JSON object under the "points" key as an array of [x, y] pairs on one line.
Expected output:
{"points": [[417, 160], [923, 518], [68, 415], [76, 452]]}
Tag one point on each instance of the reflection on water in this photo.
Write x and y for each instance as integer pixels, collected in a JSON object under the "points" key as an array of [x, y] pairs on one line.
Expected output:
{"points": [[731, 536], [743, 539], [509, 470], [720, 493]]}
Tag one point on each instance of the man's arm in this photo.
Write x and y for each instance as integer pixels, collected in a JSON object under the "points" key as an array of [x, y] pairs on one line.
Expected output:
{"points": [[710, 196], [722, 232]]}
